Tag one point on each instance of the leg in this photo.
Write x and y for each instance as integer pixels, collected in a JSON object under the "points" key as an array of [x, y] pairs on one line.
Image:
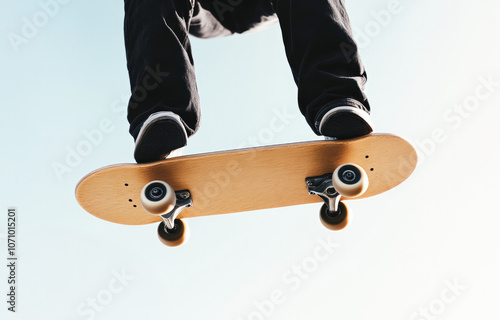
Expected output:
{"points": [[159, 61], [323, 57], [164, 108]]}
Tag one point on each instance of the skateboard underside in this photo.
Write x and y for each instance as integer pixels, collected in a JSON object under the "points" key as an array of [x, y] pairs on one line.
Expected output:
{"points": [[245, 180]]}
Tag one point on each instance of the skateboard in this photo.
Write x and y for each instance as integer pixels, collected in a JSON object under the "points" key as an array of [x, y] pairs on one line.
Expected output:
{"points": [[171, 190]]}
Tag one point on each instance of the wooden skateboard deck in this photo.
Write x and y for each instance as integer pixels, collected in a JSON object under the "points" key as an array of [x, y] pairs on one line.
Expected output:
{"points": [[245, 180]]}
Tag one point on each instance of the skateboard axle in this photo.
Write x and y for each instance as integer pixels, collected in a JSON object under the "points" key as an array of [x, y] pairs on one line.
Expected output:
{"points": [[184, 200], [322, 187]]}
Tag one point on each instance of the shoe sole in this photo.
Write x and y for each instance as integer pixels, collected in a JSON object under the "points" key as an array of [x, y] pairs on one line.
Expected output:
{"points": [[163, 134], [345, 123]]}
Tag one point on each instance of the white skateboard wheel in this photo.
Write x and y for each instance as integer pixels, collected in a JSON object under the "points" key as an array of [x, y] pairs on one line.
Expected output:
{"points": [[157, 197], [176, 236], [350, 180], [334, 220]]}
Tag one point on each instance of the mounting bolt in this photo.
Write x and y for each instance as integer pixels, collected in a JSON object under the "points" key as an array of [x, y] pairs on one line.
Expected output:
{"points": [[184, 195]]}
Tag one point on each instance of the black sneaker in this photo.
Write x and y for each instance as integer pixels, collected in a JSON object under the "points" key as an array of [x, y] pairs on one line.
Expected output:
{"points": [[162, 135], [345, 122]]}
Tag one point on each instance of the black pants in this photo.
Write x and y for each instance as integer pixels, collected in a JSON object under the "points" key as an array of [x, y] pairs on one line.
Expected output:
{"points": [[316, 33]]}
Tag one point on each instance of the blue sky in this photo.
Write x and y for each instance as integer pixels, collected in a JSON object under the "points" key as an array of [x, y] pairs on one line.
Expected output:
{"points": [[430, 244]]}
